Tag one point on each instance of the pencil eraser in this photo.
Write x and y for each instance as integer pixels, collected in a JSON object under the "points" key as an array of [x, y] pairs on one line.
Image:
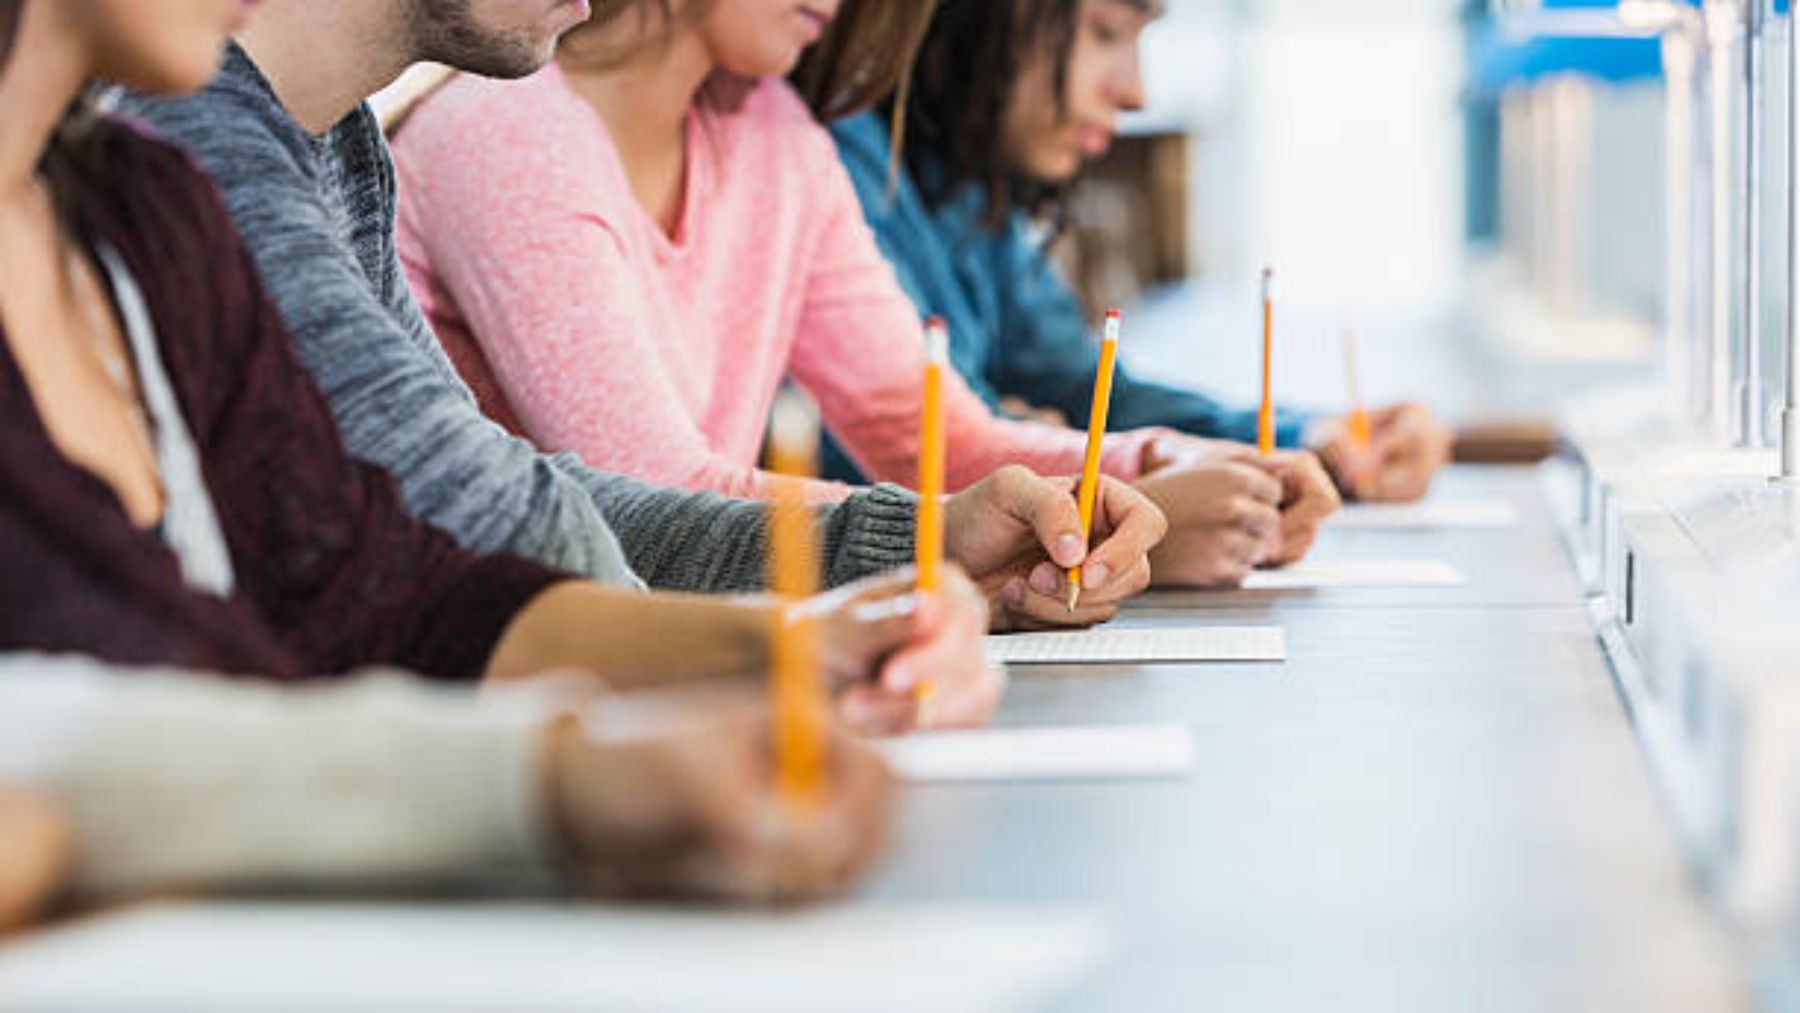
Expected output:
{"points": [[937, 341]]}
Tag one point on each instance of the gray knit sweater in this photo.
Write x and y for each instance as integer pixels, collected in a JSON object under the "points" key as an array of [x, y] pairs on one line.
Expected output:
{"points": [[318, 214]]}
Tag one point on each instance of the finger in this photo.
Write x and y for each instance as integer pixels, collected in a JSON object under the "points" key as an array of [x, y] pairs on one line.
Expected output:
{"points": [[1047, 509], [952, 654], [874, 711], [1294, 548], [1406, 482], [810, 853], [1131, 527], [1259, 481], [907, 661], [1039, 612], [1256, 517], [1315, 492]]}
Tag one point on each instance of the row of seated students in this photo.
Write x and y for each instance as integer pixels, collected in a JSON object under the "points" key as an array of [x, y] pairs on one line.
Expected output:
{"points": [[303, 443]]}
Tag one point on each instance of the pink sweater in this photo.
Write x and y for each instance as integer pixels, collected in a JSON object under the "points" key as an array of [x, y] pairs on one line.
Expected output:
{"points": [[582, 325]]}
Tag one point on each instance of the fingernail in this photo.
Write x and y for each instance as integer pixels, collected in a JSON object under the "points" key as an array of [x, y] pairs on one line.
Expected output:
{"points": [[1013, 594], [1069, 549], [1043, 579], [1095, 575]]}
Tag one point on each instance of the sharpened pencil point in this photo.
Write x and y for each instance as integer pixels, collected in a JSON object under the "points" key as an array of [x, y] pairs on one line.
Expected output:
{"points": [[1074, 597]]}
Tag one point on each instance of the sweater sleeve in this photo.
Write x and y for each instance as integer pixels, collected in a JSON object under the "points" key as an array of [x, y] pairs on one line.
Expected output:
{"points": [[322, 542], [860, 353], [378, 778], [714, 543]]}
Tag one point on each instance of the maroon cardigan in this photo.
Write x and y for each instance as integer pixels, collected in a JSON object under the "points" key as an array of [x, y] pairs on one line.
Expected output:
{"points": [[332, 573]]}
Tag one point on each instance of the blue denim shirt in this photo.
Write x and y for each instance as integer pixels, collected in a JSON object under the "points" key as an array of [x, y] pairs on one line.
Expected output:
{"points": [[1016, 327]]}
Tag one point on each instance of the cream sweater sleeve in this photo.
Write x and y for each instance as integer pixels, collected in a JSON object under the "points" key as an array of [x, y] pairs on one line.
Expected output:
{"points": [[176, 779]]}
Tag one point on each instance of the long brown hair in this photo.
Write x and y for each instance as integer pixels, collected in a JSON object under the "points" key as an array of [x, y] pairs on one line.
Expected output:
{"points": [[864, 57], [968, 65]]}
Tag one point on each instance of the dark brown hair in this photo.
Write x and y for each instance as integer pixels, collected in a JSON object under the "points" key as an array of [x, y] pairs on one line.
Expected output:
{"points": [[968, 66], [864, 57]]}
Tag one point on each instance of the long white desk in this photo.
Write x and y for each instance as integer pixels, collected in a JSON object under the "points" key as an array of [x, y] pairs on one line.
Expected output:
{"points": [[1435, 804]]}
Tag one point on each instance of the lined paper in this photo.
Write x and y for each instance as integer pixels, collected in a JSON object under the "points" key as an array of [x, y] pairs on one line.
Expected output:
{"points": [[1043, 754], [1430, 515], [550, 958], [1141, 645], [1357, 573]]}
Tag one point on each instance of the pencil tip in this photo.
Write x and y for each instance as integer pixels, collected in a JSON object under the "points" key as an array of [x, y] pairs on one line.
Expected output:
{"points": [[1074, 597]]}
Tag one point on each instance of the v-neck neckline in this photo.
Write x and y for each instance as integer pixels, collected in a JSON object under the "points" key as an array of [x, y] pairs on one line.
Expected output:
{"points": [[12, 374], [695, 175]]}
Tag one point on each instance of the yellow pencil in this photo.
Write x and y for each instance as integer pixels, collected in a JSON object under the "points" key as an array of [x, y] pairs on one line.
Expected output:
{"points": [[1361, 430], [1090, 465], [797, 694], [929, 541], [1265, 415]]}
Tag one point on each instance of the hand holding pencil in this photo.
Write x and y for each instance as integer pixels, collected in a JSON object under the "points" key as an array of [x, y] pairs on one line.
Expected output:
{"points": [[870, 644]]}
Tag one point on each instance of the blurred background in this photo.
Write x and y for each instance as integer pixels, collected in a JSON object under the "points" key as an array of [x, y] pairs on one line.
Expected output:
{"points": [[1482, 203]]}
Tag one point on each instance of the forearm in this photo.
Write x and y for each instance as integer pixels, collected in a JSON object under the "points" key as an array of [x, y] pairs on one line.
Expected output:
{"points": [[633, 640], [688, 541], [376, 779]]}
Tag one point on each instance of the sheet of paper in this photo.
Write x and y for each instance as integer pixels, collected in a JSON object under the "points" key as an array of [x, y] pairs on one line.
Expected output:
{"points": [[1141, 645], [1357, 573], [549, 958], [1430, 515], [1099, 752]]}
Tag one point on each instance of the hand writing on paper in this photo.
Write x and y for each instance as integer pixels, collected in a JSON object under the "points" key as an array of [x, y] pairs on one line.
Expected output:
{"points": [[882, 638], [683, 807], [1017, 534], [1224, 520], [1407, 447]]}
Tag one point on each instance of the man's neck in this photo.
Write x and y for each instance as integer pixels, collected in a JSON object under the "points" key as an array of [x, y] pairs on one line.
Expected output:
{"points": [[323, 57]]}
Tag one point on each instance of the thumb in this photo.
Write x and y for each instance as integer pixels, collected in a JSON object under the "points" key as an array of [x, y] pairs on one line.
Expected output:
{"points": [[1050, 512]]}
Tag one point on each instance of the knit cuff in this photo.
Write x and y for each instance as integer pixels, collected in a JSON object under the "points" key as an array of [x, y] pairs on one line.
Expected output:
{"points": [[870, 533]]}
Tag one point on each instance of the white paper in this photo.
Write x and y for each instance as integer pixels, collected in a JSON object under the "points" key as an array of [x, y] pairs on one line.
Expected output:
{"points": [[1141, 645], [1357, 573], [1043, 754], [521, 958], [1430, 515]]}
